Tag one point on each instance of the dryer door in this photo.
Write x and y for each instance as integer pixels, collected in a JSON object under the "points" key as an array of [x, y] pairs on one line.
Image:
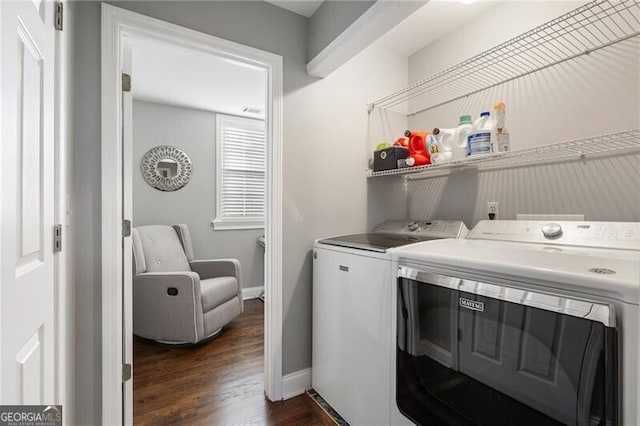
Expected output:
{"points": [[471, 352]]}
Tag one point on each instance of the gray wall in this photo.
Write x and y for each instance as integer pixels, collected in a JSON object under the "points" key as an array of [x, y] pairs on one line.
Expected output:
{"points": [[330, 20], [194, 132], [326, 147], [257, 24], [86, 214]]}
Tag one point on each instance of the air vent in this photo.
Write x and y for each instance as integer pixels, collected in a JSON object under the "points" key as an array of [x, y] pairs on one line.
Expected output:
{"points": [[251, 110]]}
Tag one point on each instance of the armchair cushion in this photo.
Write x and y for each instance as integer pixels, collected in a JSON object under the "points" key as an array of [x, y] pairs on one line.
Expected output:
{"points": [[216, 291], [218, 268], [185, 239], [162, 249]]}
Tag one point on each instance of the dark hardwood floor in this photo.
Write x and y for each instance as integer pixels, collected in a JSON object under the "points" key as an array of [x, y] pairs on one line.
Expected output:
{"points": [[219, 382]]}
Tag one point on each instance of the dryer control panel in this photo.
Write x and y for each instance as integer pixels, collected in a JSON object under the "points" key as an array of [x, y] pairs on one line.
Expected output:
{"points": [[424, 228], [615, 235]]}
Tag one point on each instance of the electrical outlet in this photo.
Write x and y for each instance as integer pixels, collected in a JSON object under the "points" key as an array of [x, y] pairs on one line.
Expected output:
{"points": [[493, 208]]}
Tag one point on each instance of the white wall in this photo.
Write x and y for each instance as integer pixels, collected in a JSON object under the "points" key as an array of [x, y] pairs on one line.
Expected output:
{"points": [[326, 190], [506, 20], [589, 96], [193, 131]]}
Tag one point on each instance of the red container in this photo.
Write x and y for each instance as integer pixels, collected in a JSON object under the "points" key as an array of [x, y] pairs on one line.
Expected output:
{"points": [[418, 147]]}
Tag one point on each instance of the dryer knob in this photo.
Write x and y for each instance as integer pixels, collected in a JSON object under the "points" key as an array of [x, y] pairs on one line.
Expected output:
{"points": [[552, 230]]}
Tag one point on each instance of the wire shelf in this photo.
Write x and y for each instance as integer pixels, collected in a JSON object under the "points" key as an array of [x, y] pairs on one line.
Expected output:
{"points": [[613, 143], [582, 31]]}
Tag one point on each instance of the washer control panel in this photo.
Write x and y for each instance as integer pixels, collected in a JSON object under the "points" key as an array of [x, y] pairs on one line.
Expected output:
{"points": [[619, 235], [424, 228]]}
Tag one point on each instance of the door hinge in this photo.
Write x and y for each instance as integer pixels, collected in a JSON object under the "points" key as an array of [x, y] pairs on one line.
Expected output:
{"points": [[126, 372], [126, 228], [57, 238], [57, 19], [126, 82]]}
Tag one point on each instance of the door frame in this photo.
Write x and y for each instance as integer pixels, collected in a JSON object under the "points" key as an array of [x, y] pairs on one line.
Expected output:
{"points": [[116, 24], [64, 260]]}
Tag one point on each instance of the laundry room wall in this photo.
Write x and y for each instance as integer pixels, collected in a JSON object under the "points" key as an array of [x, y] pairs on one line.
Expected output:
{"points": [[589, 96], [193, 131], [326, 147]]}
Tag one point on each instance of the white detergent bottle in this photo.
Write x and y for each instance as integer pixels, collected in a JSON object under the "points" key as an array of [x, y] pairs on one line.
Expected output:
{"points": [[479, 140], [460, 150], [446, 139], [501, 142]]}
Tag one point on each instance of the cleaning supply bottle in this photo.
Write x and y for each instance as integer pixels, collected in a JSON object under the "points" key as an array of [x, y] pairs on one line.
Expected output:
{"points": [[418, 152], [479, 140], [501, 142], [444, 140], [460, 150]]}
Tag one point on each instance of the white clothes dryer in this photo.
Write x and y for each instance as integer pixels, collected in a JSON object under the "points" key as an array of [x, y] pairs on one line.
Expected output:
{"points": [[522, 321]]}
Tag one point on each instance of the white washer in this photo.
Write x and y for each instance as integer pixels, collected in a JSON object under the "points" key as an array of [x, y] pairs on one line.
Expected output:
{"points": [[352, 330], [537, 320]]}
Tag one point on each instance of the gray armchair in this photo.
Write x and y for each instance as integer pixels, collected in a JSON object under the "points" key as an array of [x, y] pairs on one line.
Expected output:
{"points": [[177, 299]]}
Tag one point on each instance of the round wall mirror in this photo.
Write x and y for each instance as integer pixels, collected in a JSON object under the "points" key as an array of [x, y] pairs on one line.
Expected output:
{"points": [[166, 168]]}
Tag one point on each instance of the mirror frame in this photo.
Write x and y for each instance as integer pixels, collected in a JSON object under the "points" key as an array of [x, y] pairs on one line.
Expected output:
{"points": [[153, 157]]}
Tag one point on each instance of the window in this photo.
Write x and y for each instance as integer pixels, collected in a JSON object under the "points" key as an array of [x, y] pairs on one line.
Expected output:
{"points": [[240, 165]]}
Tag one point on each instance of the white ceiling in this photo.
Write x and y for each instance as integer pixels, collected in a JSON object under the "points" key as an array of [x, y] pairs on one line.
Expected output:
{"points": [[431, 22], [301, 7], [175, 75]]}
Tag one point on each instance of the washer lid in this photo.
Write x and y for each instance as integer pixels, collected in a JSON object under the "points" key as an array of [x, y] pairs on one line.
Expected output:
{"points": [[379, 242], [606, 273]]}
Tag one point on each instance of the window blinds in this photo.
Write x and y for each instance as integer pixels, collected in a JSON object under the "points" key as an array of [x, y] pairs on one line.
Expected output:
{"points": [[241, 190]]}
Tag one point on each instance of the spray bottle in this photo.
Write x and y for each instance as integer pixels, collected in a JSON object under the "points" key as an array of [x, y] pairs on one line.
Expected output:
{"points": [[500, 140]]}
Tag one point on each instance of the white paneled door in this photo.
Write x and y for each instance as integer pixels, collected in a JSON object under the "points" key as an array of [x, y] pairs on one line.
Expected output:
{"points": [[27, 296]]}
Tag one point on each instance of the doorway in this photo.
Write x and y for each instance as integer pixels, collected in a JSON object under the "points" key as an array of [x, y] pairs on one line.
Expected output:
{"points": [[198, 159], [118, 25]]}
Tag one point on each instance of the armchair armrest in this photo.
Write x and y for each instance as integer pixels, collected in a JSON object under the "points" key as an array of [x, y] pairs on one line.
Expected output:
{"points": [[219, 268], [168, 306], [216, 268]]}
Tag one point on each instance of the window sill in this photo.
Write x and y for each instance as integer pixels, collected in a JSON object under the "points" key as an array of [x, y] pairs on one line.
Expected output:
{"points": [[229, 225]]}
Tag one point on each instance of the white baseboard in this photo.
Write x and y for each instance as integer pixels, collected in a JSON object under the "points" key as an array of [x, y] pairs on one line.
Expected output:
{"points": [[296, 383], [252, 292]]}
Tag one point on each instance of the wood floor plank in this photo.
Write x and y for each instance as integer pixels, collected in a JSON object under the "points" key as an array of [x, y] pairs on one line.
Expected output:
{"points": [[220, 382]]}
